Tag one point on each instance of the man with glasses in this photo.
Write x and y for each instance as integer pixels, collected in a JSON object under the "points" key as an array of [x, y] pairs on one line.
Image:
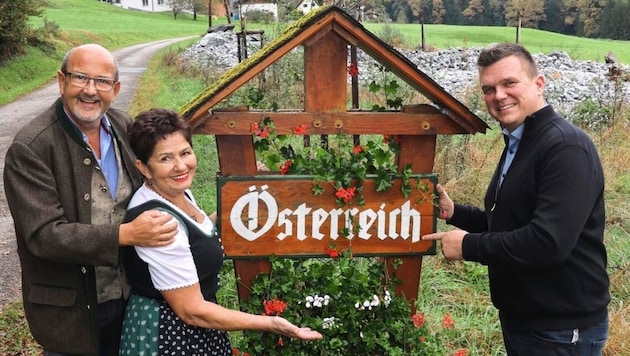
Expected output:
{"points": [[68, 177]]}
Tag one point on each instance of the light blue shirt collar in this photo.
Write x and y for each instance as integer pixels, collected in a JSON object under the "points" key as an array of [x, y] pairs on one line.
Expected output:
{"points": [[514, 139], [108, 161]]}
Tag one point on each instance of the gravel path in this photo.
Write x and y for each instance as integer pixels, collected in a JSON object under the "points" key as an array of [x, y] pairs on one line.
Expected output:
{"points": [[133, 62]]}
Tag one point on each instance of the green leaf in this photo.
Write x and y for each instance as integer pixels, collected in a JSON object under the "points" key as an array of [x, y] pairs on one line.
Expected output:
{"points": [[374, 87]]}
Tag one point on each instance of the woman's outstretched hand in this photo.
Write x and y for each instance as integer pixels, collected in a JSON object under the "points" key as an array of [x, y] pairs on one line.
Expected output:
{"points": [[286, 328]]}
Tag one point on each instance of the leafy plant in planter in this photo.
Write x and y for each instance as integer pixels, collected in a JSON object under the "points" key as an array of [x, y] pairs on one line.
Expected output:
{"points": [[336, 160], [348, 299]]}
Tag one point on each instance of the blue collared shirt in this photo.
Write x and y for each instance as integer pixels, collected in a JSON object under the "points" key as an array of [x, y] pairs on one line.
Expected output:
{"points": [[107, 162], [514, 139]]}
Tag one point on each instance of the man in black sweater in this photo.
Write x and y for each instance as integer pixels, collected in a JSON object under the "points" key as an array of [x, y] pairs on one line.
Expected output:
{"points": [[542, 227]]}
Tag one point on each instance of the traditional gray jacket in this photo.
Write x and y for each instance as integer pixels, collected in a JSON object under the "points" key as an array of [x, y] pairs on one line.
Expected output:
{"points": [[47, 180]]}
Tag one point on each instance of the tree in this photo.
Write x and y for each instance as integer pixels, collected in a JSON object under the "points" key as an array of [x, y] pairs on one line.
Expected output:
{"points": [[529, 12], [570, 13], [614, 22], [14, 28], [590, 12], [177, 6], [418, 9], [526, 13], [493, 14], [398, 11], [197, 6], [453, 14], [554, 21], [474, 9], [438, 11], [228, 10]]}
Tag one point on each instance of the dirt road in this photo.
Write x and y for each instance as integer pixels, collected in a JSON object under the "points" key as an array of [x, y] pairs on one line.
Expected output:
{"points": [[133, 62]]}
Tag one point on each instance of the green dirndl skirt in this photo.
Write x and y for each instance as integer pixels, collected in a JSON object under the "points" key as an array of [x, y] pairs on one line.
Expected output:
{"points": [[151, 328]]}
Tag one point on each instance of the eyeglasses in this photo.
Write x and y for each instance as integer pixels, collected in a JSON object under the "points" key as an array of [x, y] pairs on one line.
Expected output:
{"points": [[81, 81]]}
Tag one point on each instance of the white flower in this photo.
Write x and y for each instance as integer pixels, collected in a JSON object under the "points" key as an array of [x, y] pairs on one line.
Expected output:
{"points": [[375, 301], [328, 322], [309, 301], [387, 299], [326, 299]]}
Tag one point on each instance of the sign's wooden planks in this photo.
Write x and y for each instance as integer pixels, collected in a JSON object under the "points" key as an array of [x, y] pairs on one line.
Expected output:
{"points": [[279, 215]]}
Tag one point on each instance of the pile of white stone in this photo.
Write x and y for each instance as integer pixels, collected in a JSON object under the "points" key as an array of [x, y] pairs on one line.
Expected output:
{"points": [[568, 81]]}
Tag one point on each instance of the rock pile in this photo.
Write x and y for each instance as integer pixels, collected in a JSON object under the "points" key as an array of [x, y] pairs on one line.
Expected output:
{"points": [[568, 81]]}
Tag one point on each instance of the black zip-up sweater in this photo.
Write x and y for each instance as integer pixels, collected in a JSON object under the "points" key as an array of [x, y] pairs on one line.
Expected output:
{"points": [[543, 240]]}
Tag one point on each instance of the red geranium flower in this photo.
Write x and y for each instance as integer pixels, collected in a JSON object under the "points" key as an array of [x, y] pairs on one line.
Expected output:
{"points": [[353, 69], [274, 306], [461, 352], [448, 322], [389, 138], [357, 149], [284, 168], [345, 194], [300, 130], [332, 252], [418, 320], [256, 130], [265, 132]]}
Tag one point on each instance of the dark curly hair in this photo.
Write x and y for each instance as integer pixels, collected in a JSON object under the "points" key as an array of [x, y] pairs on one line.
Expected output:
{"points": [[152, 125]]}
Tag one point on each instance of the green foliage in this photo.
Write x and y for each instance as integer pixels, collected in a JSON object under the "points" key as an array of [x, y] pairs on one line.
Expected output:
{"points": [[590, 114], [392, 36], [389, 90], [614, 23], [42, 37], [260, 16], [348, 299], [14, 28], [15, 338], [338, 160], [594, 113], [293, 15], [281, 85]]}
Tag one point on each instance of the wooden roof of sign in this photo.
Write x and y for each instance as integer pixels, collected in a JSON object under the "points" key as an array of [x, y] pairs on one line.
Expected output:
{"points": [[329, 31]]}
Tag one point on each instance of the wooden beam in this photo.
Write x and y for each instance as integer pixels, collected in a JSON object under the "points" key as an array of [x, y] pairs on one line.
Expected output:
{"points": [[318, 123], [326, 86]]}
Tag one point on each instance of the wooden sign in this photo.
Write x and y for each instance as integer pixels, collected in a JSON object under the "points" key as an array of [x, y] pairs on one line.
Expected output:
{"points": [[279, 215]]}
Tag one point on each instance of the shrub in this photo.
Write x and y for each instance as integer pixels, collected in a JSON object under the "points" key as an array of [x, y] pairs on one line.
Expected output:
{"points": [[392, 36], [14, 27], [349, 300], [259, 16]]}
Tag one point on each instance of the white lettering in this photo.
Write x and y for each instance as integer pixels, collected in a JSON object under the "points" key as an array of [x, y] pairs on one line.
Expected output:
{"points": [[403, 221]]}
